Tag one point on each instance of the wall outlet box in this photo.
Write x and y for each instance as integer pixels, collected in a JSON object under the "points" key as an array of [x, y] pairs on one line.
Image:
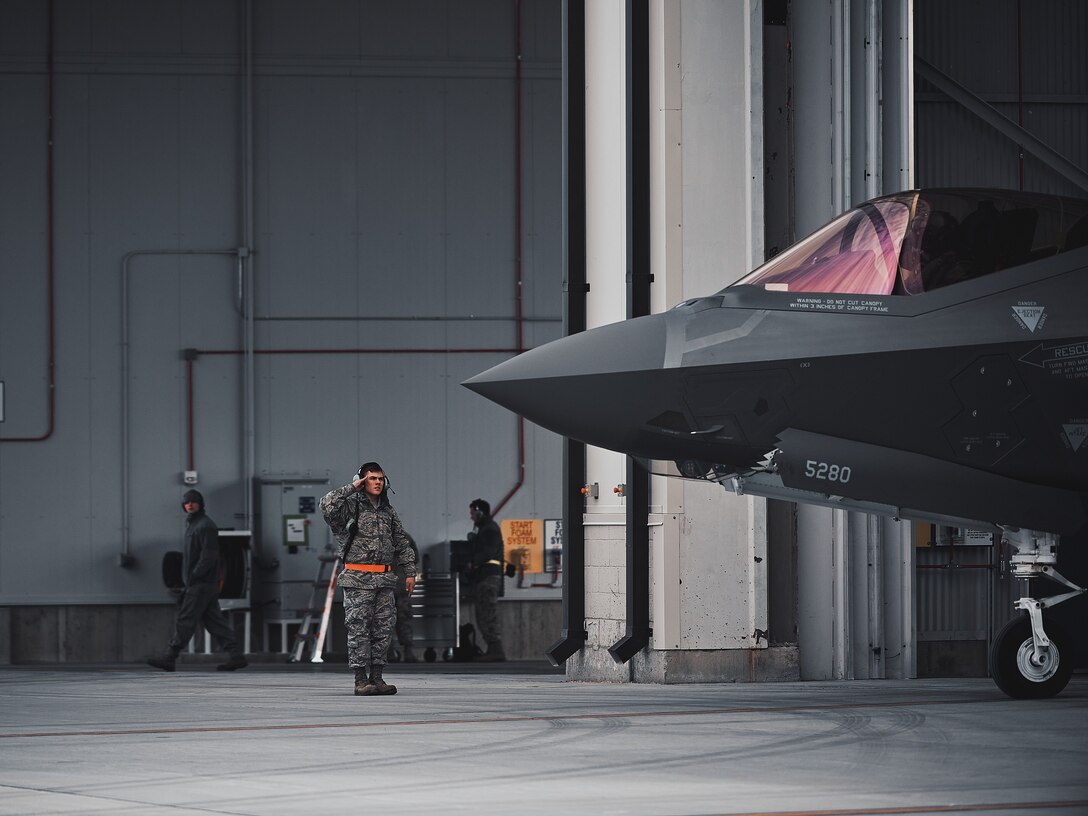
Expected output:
{"points": [[190, 477]]}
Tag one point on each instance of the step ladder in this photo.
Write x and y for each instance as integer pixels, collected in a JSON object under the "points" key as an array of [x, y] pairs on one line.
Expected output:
{"points": [[324, 588]]}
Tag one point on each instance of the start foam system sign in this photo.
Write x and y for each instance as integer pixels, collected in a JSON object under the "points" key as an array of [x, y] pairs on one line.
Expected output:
{"points": [[523, 543]]}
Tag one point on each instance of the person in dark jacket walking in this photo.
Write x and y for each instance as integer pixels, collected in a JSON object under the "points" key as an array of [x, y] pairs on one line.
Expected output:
{"points": [[483, 577], [373, 546], [199, 601]]}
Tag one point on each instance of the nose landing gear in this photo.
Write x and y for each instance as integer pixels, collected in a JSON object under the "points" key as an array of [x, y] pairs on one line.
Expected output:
{"points": [[1026, 657]]}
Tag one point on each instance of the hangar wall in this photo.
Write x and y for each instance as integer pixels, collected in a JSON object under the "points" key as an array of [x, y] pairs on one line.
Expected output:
{"points": [[388, 266], [1027, 62]]}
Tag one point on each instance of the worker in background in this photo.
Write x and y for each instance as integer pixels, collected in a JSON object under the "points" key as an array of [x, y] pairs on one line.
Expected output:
{"points": [[483, 577], [404, 613], [199, 602], [373, 545]]}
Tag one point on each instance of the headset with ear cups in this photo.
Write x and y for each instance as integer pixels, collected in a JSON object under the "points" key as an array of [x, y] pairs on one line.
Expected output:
{"points": [[369, 466]]}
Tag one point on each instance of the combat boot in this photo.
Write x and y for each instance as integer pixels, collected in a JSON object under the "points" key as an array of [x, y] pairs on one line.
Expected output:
{"points": [[234, 662], [494, 653], [363, 686], [380, 686], [167, 661]]}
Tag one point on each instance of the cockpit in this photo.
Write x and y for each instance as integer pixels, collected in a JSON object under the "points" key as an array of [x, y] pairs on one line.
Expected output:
{"points": [[918, 241]]}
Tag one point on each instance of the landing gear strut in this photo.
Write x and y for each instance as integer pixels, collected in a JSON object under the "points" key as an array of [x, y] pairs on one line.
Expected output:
{"points": [[1026, 660]]}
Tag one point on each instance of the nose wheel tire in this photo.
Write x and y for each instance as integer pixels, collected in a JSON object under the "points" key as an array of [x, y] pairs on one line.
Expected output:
{"points": [[1014, 667]]}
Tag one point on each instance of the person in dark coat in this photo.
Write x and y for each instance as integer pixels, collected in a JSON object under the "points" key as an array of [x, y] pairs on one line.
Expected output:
{"points": [[483, 577], [199, 601]]}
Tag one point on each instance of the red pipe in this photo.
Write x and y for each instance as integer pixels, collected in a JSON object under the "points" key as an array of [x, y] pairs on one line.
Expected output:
{"points": [[50, 295], [521, 468]]}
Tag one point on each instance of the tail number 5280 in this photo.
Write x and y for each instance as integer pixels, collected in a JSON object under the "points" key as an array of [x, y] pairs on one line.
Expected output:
{"points": [[827, 472]]}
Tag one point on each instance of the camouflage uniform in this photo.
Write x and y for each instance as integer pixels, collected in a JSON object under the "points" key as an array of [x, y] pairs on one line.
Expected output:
{"points": [[369, 615], [369, 608]]}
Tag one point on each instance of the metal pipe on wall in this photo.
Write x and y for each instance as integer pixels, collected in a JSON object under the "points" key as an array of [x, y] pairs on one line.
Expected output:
{"points": [[126, 559], [50, 265], [842, 636], [840, 107], [874, 544], [874, 158], [245, 261]]}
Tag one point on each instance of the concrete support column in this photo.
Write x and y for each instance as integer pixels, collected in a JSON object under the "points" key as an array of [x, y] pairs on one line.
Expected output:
{"points": [[708, 231], [708, 547]]}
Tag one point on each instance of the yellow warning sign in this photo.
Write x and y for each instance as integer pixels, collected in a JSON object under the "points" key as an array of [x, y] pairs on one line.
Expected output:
{"points": [[523, 543]]}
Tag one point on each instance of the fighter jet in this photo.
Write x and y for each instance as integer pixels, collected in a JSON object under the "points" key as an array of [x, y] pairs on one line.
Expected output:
{"points": [[923, 356]]}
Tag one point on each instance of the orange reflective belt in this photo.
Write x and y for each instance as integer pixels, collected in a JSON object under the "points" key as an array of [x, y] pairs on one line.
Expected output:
{"points": [[368, 567]]}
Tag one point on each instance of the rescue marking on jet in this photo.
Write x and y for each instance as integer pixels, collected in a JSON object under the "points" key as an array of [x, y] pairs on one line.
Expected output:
{"points": [[1069, 360], [1030, 315]]}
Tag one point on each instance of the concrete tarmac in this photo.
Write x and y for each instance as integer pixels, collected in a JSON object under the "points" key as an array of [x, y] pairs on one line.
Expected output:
{"points": [[518, 738]]}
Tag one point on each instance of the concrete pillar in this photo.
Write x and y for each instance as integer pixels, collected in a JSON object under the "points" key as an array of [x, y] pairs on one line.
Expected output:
{"points": [[708, 547]]}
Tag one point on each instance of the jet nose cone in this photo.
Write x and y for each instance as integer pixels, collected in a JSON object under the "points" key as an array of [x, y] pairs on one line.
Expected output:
{"points": [[597, 386]]}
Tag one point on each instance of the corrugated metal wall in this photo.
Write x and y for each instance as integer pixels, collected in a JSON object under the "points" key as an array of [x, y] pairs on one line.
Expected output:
{"points": [[385, 189], [1025, 59], [964, 593]]}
